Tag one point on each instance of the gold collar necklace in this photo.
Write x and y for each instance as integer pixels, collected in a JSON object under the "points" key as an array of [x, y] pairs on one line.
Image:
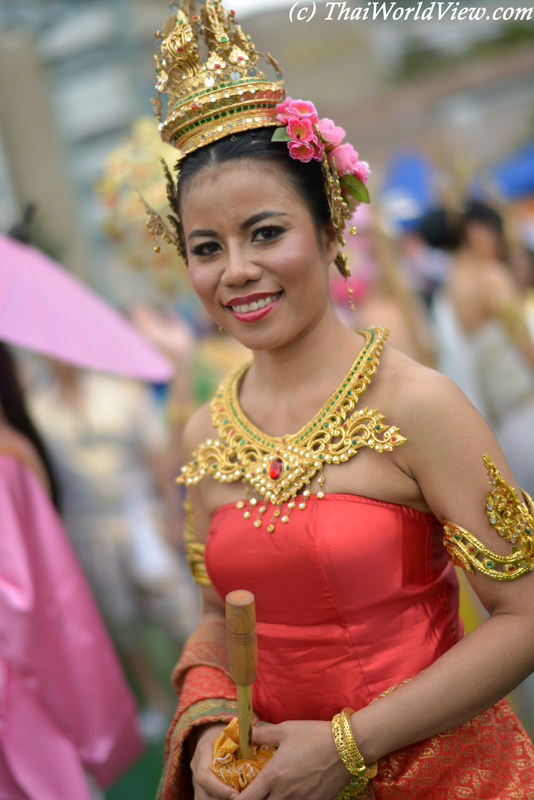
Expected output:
{"points": [[277, 467]]}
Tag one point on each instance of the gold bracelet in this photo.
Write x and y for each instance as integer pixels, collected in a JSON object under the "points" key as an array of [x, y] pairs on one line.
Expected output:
{"points": [[349, 753]]}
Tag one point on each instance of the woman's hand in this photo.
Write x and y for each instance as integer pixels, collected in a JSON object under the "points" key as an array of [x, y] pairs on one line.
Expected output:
{"points": [[205, 783], [306, 766]]}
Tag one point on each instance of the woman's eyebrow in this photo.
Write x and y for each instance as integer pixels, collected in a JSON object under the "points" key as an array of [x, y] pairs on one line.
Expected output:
{"points": [[259, 217], [201, 232], [246, 224]]}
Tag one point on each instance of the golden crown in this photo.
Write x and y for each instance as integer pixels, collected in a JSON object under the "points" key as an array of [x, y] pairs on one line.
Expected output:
{"points": [[209, 70]]}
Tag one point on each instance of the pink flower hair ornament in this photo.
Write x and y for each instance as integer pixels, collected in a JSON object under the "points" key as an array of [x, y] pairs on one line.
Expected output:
{"points": [[309, 137]]}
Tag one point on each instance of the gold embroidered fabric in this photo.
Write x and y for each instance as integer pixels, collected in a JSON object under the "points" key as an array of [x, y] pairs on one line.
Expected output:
{"points": [[512, 314], [512, 520], [194, 551], [278, 467]]}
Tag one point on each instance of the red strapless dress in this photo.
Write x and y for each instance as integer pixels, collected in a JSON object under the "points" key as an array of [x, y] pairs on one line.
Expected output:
{"points": [[353, 596]]}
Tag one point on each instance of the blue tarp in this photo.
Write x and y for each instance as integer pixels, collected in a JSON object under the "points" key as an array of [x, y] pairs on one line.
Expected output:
{"points": [[513, 175], [408, 192]]}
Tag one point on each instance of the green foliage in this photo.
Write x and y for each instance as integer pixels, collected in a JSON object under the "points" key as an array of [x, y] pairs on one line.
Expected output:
{"points": [[355, 188], [281, 135]]}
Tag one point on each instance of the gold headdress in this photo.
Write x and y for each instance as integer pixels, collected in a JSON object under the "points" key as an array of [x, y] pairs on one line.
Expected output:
{"points": [[217, 92], [208, 68]]}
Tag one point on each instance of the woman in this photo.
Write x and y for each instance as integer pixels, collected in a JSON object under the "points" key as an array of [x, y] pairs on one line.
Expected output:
{"points": [[483, 339], [67, 715], [326, 509]]}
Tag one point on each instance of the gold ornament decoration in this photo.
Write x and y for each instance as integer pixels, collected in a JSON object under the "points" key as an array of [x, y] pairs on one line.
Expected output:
{"points": [[349, 752], [340, 210], [511, 519], [194, 551], [209, 70], [277, 468], [133, 166]]}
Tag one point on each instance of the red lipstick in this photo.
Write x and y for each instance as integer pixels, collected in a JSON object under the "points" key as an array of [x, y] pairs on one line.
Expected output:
{"points": [[254, 316]]}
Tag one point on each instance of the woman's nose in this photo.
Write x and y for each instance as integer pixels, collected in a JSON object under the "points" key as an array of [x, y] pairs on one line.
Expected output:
{"points": [[239, 269]]}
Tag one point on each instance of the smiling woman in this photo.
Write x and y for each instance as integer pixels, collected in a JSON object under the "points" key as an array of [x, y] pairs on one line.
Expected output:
{"points": [[355, 592]]}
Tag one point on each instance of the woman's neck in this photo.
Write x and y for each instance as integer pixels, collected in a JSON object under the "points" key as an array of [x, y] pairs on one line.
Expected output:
{"points": [[320, 356]]}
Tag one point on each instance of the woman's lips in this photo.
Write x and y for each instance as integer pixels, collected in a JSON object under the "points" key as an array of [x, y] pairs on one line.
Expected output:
{"points": [[255, 312]]}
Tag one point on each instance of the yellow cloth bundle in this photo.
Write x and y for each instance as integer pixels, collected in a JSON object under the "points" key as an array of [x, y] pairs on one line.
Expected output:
{"points": [[228, 767]]}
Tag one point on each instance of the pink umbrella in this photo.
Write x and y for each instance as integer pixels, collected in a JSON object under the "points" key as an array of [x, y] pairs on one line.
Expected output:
{"points": [[45, 309]]}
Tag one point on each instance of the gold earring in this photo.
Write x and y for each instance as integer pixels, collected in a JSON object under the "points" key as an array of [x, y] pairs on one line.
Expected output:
{"points": [[221, 329], [349, 291]]}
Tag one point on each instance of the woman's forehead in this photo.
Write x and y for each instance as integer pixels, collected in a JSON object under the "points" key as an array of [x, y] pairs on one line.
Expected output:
{"points": [[238, 186]]}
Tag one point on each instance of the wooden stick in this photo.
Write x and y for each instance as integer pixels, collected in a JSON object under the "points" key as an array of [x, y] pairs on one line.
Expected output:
{"points": [[243, 659]]}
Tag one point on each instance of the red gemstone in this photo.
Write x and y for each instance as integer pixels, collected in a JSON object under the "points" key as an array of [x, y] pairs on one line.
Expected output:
{"points": [[232, 432], [393, 438], [511, 569], [338, 408], [275, 470], [240, 58], [195, 106], [217, 66], [180, 49], [471, 549]]}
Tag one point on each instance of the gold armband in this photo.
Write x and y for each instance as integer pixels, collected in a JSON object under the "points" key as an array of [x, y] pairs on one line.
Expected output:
{"points": [[512, 520], [511, 314], [351, 756], [194, 551]]}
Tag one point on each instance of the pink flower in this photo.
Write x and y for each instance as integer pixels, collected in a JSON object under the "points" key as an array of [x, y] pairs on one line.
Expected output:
{"points": [[331, 133], [295, 109], [281, 110], [301, 151], [301, 130], [362, 171], [303, 109], [318, 150], [346, 159]]}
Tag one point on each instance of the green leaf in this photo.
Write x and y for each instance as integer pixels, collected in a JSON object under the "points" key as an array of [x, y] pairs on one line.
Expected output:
{"points": [[355, 187], [281, 135]]}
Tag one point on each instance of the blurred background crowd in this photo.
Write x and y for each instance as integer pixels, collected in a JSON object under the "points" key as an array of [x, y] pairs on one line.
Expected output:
{"points": [[444, 113]]}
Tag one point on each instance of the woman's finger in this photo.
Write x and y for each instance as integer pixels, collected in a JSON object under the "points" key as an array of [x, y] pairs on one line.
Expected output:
{"points": [[268, 734], [259, 789], [212, 786]]}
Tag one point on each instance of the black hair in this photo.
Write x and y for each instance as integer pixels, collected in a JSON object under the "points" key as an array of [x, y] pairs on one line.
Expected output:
{"points": [[14, 409], [446, 229], [305, 178]]}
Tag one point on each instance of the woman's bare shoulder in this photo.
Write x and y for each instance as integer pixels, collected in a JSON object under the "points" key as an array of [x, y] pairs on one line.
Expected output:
{"points": [[416, 391]]}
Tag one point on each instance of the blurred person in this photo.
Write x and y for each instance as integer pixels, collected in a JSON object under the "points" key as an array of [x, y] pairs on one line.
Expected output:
{"points": [[67, 715], [380, 290], [425, 267], [109, 446], [484, 343]]}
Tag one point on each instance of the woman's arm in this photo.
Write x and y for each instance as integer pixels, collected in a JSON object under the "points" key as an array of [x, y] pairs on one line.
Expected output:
{"points": [[446, 439]]}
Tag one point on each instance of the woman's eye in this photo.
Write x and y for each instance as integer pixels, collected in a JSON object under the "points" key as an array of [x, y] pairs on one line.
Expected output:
{"points": [[206, 249], [267, 234]]}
